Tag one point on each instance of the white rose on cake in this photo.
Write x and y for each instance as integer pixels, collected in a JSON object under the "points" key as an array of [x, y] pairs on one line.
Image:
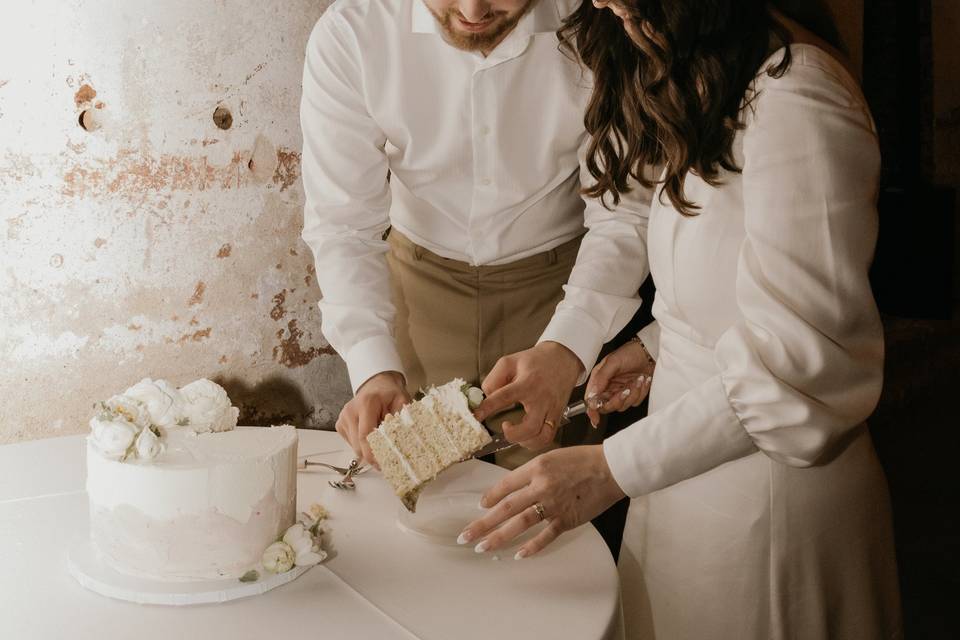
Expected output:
{"points": [[207, 407], [112, 436], [164, 402], [148, 445], [278, 557], [134, 411]]}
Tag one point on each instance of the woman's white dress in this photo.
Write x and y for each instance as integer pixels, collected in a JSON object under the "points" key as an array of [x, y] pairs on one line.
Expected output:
{"points": [[759, 508]]}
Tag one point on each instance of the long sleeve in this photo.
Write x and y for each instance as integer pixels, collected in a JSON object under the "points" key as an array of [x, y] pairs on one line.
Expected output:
{"points": [[347, 204], [803, 364], [600, 296]]}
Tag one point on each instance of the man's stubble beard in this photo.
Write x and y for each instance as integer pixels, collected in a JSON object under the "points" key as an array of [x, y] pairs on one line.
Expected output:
{"points": [[486, 40]]}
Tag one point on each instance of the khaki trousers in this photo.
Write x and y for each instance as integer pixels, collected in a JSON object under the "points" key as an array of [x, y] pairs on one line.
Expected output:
{"points": [[456, 320]]}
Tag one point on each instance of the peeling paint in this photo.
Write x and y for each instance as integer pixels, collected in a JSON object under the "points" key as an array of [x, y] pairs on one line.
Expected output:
{"points": [[131, 173], [224, 251], [14, 225], [289, 351], [196, 336], [197, 296], [278, 310], [85, 93], [288, 168]]}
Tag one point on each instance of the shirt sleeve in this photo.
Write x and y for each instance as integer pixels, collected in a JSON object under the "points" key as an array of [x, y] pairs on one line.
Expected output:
{"points": [[600, 296], [347, 203], [650, 337], [803, 366]]}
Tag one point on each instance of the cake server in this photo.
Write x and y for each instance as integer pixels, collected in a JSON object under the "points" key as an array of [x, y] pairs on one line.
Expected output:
{"points": [[500, 442]]}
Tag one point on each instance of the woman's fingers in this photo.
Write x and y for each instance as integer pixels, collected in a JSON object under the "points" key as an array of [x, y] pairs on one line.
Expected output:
{"points": [[516, 479], [512, 510], [541, 540]]}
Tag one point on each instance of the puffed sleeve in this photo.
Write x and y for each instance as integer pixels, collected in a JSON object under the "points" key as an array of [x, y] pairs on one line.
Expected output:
{"points": [[803, 365]]}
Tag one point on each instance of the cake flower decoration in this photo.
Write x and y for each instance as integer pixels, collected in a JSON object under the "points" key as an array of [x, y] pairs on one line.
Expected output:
{"points": [[278, 557], [164, 402], [207, 407], [300, 545], [148, 445], [113, 435], [133, 424]]}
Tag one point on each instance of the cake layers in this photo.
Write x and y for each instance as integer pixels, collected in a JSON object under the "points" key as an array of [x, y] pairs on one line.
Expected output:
{"points": [[205, 509], [425, 438]]}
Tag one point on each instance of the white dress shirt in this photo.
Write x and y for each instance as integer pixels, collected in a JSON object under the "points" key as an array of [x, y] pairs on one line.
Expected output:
{"points": [[483, 156]]}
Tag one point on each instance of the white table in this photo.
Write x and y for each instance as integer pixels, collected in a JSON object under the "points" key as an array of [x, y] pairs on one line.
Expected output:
{"points": [[380, 583]]}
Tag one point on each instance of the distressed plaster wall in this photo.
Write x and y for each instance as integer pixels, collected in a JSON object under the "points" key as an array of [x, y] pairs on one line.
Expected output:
{"points": [[154, 242]]}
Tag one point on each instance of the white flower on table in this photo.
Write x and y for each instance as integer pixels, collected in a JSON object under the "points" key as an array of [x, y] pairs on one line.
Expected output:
{"points": [[207, 407], [317, 512], [305, 546], [148, 445], [164, 402], [278, 557], [112, 436]]}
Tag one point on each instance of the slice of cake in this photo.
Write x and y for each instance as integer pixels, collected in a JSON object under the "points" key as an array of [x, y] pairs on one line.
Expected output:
{"points": [[426, 437]]}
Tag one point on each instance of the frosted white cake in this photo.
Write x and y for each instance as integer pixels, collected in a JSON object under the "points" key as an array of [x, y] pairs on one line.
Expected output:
{"points": [[205, 509], [196, 499]]}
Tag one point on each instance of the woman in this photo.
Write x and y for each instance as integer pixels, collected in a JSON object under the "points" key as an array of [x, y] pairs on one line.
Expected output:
{"points": [[759, 508]]}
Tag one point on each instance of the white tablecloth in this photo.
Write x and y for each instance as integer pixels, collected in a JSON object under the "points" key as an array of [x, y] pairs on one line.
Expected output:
{"points": [[380, 583]]}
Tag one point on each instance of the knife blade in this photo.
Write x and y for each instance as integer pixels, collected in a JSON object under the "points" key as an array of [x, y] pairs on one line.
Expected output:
{"points": [[500, 442]]}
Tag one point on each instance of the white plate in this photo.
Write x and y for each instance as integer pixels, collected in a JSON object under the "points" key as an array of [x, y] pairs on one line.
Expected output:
{"points": [[440, 517]]}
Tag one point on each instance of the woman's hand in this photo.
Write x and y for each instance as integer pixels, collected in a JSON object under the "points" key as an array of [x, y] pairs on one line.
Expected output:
{"points": [[571, 487], [619, 381]]}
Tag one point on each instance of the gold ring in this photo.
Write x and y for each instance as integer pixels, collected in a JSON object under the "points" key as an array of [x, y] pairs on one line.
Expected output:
{"points": [[540, 511], [553, 425]]}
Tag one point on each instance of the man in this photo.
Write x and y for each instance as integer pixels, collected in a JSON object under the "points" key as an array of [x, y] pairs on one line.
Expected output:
{"points": [[442, 164]]}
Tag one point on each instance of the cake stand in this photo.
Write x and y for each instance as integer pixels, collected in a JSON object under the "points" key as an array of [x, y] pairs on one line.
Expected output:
{"points": [[88, 567]]}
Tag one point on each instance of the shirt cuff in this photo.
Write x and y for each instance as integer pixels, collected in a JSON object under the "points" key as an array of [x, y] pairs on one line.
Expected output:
{"points": [[369, 357], [650, 337], [692, 435], [579, 332]]}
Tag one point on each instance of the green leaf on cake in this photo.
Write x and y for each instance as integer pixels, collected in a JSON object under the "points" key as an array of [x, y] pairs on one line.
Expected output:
{"points": [[250, 576]]}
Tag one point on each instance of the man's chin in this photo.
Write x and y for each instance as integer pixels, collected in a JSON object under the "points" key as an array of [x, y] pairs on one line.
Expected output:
{"points": [[474, 29]]}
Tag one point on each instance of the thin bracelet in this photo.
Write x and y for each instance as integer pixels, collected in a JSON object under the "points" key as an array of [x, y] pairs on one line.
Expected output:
{"points": [[650, 360]]}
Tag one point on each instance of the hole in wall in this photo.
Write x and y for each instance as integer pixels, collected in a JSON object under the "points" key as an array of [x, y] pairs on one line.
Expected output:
{"points": [[223, 118], [88, 121]]}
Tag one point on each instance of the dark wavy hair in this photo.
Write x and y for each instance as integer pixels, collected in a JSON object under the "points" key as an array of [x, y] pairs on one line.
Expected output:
{"points": [[674, 98]]}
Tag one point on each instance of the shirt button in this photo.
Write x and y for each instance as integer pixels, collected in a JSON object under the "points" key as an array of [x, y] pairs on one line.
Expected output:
{"points": [[486, 182], [484, 130]]}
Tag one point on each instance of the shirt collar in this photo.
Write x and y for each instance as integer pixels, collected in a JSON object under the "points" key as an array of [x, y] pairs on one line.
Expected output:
{"points": [[544, 17]]}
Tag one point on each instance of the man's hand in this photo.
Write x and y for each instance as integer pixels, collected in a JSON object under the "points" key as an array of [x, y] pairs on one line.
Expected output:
{"points": [[382, 394], [541, 380]]}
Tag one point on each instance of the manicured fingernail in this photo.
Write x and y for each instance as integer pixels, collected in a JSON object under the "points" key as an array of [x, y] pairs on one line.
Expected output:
{"points": [[464, 537], [480, 504], [625, 393], [483, 546], [641, 379], [591, 395], [520, 555]]}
